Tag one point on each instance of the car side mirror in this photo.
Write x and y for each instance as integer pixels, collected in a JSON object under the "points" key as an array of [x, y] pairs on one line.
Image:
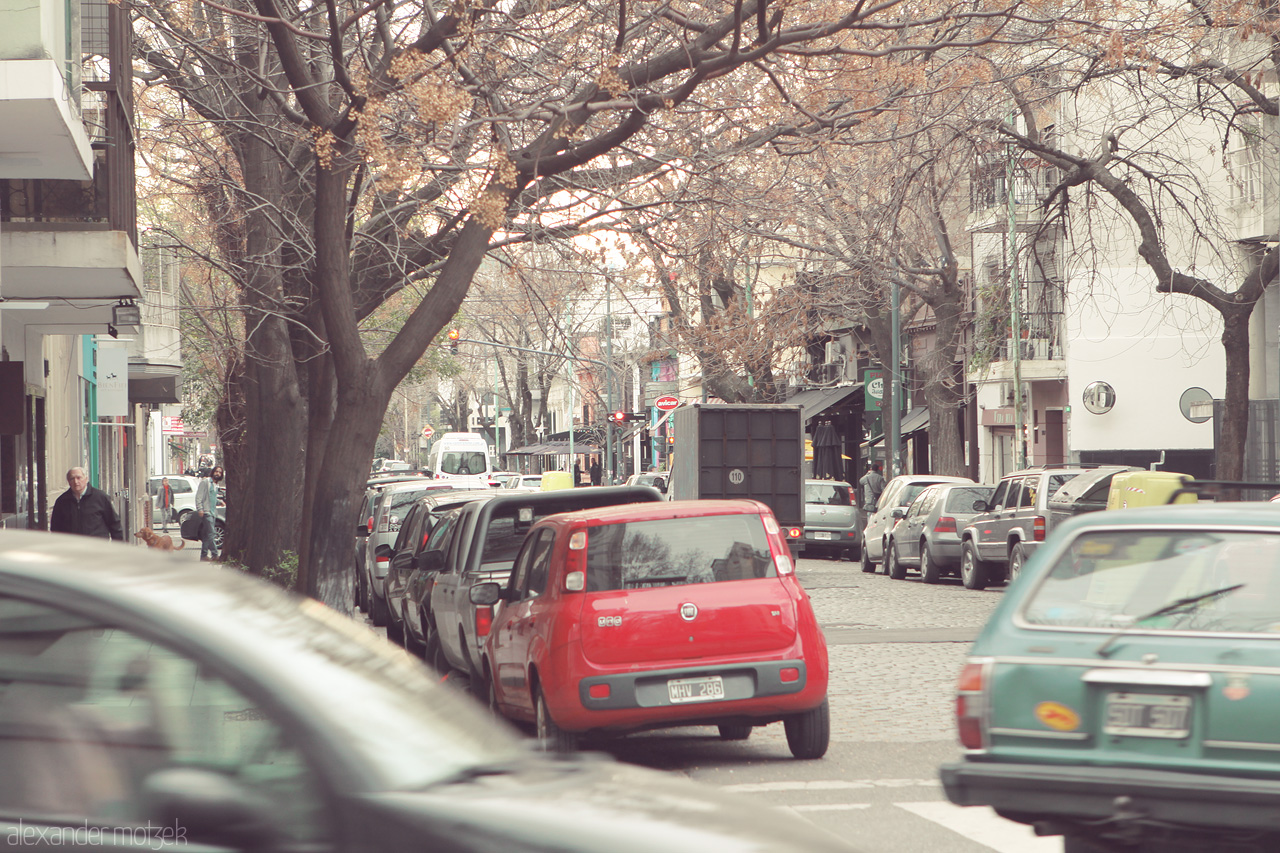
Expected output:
{"points": [[485, 594], [980, 506], [210, 807], [899, 512], [429, 561], [362, 530]]}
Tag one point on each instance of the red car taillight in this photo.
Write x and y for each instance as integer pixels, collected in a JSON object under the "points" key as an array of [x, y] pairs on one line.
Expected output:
{"points": [[484, 621], [971, 705], [575, 563], [795, 533], [369, 524], [1037, 529], [384, 521], [853, 496], [945, 524]]}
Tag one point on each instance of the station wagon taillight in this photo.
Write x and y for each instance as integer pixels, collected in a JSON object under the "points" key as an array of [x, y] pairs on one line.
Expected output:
{"points": [[369, 524], [945, 524], [971, 704], [1037, 529], [384, 521]]}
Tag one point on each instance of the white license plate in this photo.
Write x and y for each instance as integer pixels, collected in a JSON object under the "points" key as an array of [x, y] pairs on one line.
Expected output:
{"points": [[1148, 715], [822, 534], [709, 689]]}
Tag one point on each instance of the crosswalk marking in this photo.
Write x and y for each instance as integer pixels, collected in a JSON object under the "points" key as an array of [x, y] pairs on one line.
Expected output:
{"points": [[984, 826]]}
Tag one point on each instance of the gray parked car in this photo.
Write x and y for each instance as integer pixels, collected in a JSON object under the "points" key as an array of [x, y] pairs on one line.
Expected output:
{"points": [[927, 535], [898, 492], [832, 522], [390, 506]]}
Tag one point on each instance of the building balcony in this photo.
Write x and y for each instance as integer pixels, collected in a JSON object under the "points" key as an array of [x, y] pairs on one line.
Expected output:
{"points": [[41, 131]]}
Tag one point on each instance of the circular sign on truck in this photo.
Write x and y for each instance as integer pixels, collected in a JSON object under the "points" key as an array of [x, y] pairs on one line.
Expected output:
{"points": [[667, 403]]}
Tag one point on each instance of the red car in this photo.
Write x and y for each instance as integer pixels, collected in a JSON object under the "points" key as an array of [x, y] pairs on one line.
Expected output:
{"points": [[655, 615]]}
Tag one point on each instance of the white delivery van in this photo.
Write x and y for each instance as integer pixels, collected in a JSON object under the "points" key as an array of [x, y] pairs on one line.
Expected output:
{"points": [[461, 457]]}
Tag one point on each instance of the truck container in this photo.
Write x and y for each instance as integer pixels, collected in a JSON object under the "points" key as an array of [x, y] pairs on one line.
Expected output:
{"points": [[741, 451]]}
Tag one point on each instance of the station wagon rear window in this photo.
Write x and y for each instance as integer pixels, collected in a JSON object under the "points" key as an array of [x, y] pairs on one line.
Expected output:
{"points": [[1169, 580], [673, 551]]}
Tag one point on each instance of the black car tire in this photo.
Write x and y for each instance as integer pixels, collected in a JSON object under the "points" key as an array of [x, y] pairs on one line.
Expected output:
{"points": [[735, 731], [363, 589], [864, 559], [809, 734], [892, 565], [395, 631], [973, 569], [551, 737], [491, 699], [410, 642], [929, 570], [1017, 557], [434, 655], [378, 610]]}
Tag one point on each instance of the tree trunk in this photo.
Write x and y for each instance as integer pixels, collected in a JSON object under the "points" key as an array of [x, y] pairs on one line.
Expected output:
{"points": [[1235, 407], [942, 394]]}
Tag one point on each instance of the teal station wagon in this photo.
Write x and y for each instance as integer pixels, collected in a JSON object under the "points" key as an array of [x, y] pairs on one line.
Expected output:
{"points": [[1126, 691]]}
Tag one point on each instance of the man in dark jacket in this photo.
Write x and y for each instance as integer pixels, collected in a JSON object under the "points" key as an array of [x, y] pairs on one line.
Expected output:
{"points": [[85, 510]]}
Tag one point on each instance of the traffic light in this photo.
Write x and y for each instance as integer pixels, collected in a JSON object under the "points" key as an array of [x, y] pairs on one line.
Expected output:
{"points": [[625, 417], [453, 336]]}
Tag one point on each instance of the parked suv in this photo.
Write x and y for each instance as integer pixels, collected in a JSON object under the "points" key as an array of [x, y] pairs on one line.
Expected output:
{"points": [[1011, 525]]}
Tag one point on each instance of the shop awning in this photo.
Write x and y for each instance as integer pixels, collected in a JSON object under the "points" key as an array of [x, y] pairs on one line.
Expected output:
{"points": [[916, 420], [548, 448], [818, 400]]}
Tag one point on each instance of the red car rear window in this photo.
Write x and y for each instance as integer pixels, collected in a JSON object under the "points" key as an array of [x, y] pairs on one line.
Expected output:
{"points": [[672, 551]]}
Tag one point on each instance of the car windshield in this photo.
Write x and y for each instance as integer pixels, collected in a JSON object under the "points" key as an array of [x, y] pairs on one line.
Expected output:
{"points": [[463, 462], [672, 551], [1116, 579], [827, 493]]}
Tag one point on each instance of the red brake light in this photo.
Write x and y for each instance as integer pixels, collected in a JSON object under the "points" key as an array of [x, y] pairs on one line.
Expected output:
{"points": [[794, 533], [789, 674], [381, 558], [369, 524], [853, 496], [971, 706], [484, 621], [945, 524], [599, 691], [1037, 529]]}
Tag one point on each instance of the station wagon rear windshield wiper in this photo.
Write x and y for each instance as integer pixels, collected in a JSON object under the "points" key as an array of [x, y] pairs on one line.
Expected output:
{"points": [[1186, 604]]}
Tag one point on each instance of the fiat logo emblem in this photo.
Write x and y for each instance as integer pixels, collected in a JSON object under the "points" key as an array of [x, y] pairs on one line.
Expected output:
{"points": [[688, 612]]}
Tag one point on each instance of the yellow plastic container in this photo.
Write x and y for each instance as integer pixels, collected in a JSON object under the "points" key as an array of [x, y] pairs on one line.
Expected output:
{"points": [[552, 480], [1147, 488]]}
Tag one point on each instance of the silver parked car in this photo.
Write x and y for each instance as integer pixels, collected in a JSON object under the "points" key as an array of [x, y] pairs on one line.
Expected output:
{"points": [[898, 492], [927, 535], [832, 521]]}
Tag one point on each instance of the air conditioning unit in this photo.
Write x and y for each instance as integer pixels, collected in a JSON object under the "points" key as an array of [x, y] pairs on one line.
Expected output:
{"points": [[835, 352]]}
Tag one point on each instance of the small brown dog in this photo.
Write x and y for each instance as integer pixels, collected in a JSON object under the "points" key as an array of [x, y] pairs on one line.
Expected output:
{"points": [[163, 541]]}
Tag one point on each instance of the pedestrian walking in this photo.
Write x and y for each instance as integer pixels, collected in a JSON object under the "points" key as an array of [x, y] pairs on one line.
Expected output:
{"points": [[84, 510], [577, 473], [206, 500], [595, 471], [872, 484], [166, 502]]}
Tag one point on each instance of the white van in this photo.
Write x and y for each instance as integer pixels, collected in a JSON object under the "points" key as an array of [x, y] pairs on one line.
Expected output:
{"points": [[461, 457]]}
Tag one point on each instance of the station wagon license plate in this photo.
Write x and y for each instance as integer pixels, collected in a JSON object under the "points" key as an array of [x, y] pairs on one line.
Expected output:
{"points": [[1148, 715], [707, 689]]}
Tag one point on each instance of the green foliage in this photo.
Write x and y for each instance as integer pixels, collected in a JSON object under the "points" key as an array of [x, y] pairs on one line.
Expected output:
{"points": [[283, 574]]}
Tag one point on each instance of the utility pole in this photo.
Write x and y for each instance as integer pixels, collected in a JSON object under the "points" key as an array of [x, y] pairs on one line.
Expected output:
{"points": [[610, 462], [892, 439]]}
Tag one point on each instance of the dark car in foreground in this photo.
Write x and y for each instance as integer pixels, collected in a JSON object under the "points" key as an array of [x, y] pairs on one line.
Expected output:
{"points": [[148, 703], [1124, 692]]}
